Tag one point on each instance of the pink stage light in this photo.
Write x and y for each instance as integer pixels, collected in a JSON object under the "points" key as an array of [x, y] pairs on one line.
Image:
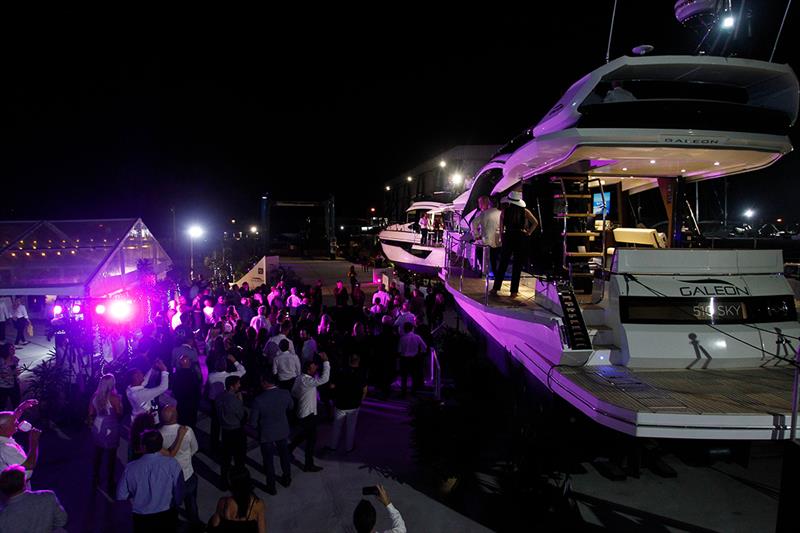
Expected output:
{"points": [[76, 309], [57, 310], [121, 309], [100, 309]]}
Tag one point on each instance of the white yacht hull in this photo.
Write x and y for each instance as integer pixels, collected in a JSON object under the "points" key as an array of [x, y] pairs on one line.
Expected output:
{"points": [[402, 247], [723, 393]]}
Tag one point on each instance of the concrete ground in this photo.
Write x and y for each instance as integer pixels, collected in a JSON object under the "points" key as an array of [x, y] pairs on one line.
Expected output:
{"points": [[723, 497], [315, 502]]}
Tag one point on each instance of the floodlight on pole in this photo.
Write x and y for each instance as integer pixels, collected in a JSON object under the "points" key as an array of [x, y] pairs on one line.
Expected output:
{"points": [[253, 229], [194, 232], [749, 213], [442, 163], [456, 179], [409, 179], [388, 188]]}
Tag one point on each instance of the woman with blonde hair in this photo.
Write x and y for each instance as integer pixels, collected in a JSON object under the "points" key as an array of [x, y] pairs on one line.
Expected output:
{"points": [[105, 409]]}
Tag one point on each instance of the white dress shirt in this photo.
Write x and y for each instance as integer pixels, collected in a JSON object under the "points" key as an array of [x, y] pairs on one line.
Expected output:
{"points": [[216, 378], [405, 316], [12, 453], [208, 312], [384, 296], [140, 396], [260, 322], [305, 391], [4, 314], [398, 525], [487, 225], [271, 348], [20, 312], [286, 366], [293, 301], [188, 447], [410, 345]]}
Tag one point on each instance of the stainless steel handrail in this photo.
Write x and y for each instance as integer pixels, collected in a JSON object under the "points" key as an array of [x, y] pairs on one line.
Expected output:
{"points": [[436, 375]]}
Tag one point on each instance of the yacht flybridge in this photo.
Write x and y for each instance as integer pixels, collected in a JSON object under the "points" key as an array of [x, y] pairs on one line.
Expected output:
{"points": [[637, 326]]}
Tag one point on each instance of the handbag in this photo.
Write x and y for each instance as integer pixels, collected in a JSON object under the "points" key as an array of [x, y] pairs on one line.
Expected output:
{"points": [[29, 328]]}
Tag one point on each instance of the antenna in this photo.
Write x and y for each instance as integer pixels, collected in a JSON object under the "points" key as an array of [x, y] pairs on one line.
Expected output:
{"points": [[775, 46], [611, 30]]}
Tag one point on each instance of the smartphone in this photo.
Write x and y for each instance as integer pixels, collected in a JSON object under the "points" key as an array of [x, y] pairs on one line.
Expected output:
{"points": [[369, 491]]}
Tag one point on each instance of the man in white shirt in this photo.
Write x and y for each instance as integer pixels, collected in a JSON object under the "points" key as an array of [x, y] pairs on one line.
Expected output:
{"points": [[274, 293], [305, 392], [11, 453], [176, 318], [293, 301], [486, 225], [208, 311], [260, 321], [271, 348], [364, 517], [141, 397], [216, 379], [188, 447], [383, 295], [286, 366], [411, 348]]}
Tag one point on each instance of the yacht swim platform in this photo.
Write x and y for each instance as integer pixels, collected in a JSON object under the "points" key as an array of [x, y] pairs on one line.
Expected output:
{"points": [[694, 402]]}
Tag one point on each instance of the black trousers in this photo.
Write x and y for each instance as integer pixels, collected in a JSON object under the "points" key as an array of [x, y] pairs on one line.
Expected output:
{"points": [[150, 523], [516, 245], [307, 431], [268, 451], [234, 446], [2, 330], [410, 366], [494, 259], [21, 324], [424, 238], [287, 384]]}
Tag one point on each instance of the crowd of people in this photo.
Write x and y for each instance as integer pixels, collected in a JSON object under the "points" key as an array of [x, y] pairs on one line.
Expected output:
{"points": [[268, 364]]}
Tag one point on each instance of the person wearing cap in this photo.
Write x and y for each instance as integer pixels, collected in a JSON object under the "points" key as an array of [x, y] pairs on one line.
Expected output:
{"points": [[516, 225]]}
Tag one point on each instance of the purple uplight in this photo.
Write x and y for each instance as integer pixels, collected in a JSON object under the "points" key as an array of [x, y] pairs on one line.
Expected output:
{"points": [[121, 309], [57, 310], [76, 309]]}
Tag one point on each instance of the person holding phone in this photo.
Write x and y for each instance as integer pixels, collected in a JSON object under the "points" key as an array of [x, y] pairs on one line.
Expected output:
{"points": [[12, 453], [365, 517]]}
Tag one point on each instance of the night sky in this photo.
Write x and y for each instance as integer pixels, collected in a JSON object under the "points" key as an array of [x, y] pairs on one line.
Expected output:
{"points": [[126, 116]]}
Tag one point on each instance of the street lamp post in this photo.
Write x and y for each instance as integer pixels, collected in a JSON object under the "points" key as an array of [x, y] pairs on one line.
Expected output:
{"points": [[195, 232]]}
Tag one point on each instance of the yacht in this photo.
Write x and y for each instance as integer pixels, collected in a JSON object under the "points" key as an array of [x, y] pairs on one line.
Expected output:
{"points": [[644, 331], [402, 243]]}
